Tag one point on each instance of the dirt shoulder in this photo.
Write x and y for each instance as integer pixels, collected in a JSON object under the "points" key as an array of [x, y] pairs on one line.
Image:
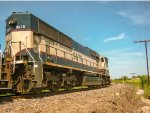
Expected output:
{"points": [[118, 98]]}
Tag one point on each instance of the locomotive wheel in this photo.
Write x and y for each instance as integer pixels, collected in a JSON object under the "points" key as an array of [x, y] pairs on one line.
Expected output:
{"points": [[69, 86], [90, 87], [54, 86], [17, 88], [37, 90], [26, 85]]}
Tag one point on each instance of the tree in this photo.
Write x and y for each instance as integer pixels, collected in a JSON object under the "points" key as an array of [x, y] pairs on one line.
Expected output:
{"points": [[143, 80], [124, 78]]}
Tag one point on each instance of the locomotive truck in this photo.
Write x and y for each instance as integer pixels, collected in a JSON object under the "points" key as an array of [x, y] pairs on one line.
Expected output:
{"points": [[38, 56]]}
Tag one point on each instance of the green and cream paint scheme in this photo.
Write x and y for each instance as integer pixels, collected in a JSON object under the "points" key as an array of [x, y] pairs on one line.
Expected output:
{"points": [[43, 57]]}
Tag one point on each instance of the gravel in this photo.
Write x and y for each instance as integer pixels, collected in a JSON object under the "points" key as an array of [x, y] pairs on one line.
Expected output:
{"points": [[117, 98]]}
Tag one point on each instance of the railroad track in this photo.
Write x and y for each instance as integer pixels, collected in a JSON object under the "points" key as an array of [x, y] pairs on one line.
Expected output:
{"points": [[45, 93]]}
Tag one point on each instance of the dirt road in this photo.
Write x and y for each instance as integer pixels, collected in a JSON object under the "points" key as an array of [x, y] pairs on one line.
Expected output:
{"points": [[118, 98]]}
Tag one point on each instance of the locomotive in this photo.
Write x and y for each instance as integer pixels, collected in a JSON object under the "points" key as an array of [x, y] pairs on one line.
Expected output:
{"points": [[38, 56]]}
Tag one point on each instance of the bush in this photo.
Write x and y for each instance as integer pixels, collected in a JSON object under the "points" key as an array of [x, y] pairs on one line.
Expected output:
{"points": [[147, 91], [143, 81]]}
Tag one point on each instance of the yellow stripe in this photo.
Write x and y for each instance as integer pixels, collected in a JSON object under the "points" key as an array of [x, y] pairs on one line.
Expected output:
{"points": [[8, 59]]}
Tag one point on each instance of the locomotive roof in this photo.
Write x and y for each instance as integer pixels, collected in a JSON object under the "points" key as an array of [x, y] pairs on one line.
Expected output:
{"points": [[18, 13], [13, 13]]}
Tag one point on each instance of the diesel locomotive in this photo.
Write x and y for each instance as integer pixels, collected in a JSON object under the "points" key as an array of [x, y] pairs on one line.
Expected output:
{"points": [[38, 56]]}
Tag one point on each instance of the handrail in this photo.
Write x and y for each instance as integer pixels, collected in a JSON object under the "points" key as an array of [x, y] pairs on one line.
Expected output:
{"points": [[6, 46], [14, 60], [31, 57], [40, 54], [40, 58], [27, 52]]}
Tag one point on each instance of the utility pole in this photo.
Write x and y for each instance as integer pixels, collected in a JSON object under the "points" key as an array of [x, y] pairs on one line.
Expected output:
{"points": [[145, 41], [132, 73], [132, 76]]}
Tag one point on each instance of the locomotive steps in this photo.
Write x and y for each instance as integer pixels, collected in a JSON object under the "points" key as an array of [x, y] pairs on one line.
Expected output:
{"points": [[118, 98]]}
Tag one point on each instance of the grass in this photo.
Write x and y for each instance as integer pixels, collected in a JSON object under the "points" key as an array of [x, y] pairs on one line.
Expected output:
{"points": [[147, 91], [135, 82], [138, 83], [7, 94]]}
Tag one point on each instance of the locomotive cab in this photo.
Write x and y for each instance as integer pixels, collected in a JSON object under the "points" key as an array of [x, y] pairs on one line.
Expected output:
{"points": [[104, 70]]}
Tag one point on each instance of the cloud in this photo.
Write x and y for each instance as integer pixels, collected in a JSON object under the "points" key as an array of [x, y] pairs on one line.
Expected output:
{"points": [[137, 19], [119, 37]]}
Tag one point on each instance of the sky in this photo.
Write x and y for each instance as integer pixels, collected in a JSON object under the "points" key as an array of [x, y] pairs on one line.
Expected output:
{"points": [[110, 28]]}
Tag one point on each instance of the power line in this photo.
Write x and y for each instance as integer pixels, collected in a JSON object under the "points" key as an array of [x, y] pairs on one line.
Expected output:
{"points": [[145, 41]]}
